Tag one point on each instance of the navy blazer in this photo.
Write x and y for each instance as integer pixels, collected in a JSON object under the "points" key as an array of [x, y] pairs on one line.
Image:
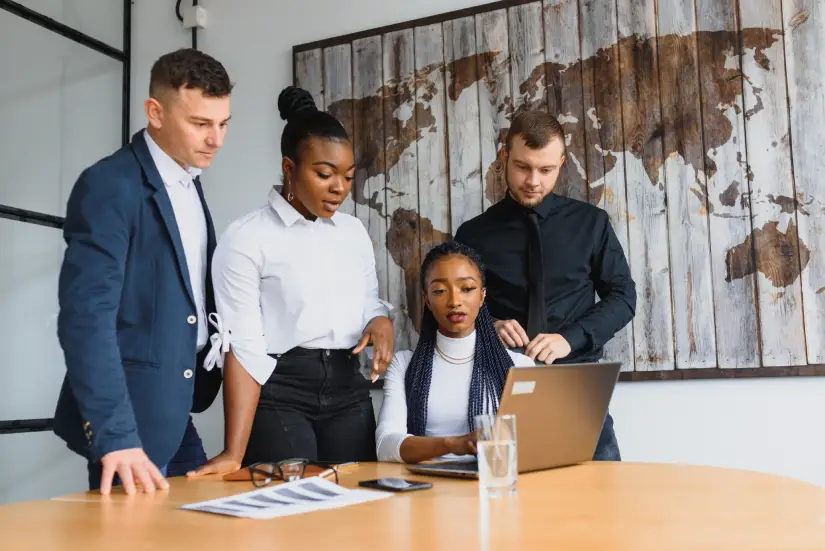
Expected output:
{"points": [[128, 321]]}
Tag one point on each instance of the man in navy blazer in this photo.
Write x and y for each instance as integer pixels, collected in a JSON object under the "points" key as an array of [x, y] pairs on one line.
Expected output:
{"points": [[135, 290]]}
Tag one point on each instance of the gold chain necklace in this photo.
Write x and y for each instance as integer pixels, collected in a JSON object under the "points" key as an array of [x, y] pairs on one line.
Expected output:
{"points": [[450, 359]]}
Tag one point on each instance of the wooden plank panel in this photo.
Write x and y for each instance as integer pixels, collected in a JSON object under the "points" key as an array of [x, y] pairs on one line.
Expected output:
{"points": [[723, 131], [601, 93], [563, 74], [526, 34], [309, 74], [338, 87], [685, 183], [463, 121], [646, 200], [494, 100], [402, 184], [431, 119], [772, 196], [368, 141], [804, 27]]}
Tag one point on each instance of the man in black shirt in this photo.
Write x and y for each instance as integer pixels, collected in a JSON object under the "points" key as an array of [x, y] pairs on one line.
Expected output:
{"points": [[547, 256]]}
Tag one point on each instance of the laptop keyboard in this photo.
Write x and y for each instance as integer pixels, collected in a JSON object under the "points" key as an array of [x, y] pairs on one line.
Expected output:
{"points": [[470, 466]]}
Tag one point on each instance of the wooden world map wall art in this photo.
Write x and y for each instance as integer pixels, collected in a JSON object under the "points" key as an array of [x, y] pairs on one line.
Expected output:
{"points": [[698, 125]]}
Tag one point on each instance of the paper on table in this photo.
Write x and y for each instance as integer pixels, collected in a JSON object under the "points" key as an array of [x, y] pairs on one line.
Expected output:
{"points": [[292, 498]]}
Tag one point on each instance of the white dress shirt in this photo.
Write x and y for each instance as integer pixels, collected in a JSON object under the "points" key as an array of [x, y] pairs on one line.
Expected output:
{"points": [[179, 184], [448, 402], [282, 281]]}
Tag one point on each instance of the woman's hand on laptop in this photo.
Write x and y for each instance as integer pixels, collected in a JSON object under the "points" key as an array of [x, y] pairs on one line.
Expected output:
{"points": [[462, 445], [415, 449]]}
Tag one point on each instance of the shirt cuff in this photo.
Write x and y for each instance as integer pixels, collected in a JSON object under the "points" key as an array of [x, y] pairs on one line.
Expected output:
{"points": [[575, 337], [259, 367], [381, 308], [389, 447]]}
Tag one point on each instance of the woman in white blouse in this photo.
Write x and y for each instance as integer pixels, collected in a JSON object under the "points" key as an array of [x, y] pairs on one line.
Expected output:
{"points": [[458, 368], [297, 291]]}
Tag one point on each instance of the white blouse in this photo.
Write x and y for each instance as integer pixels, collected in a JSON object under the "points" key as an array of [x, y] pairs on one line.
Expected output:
{"points": [[448, 401], [282, 281]]}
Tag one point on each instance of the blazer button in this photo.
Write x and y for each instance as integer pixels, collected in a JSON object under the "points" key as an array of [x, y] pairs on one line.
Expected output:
{"points": [[192, 320], [188, 373]]}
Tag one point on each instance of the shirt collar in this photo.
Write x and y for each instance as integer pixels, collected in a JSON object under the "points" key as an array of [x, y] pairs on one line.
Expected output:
{"points": [[287, 212], [548, 205], [170, 171]]}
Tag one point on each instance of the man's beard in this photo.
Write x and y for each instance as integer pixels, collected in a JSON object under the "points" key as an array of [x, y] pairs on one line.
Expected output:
{"points": [[528, 203]]}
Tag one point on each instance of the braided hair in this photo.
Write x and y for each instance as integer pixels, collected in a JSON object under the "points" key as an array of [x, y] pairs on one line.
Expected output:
{"points": [[490, 366]]}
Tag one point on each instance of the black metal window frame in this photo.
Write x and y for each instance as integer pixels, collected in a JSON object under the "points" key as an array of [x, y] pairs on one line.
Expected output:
{"points": [[31, 217]]}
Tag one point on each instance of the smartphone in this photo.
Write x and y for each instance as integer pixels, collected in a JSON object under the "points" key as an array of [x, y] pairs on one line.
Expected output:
{"points": [[395, 484]]}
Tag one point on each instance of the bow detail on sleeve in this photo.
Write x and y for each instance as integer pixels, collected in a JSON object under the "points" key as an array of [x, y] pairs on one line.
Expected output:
{"points": [[219, 344]]}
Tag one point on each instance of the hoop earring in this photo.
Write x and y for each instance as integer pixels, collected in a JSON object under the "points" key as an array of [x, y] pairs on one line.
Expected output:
{"points": [[289, 196]]}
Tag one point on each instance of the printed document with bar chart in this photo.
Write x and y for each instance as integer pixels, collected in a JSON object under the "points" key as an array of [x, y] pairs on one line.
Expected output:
{"points": [[292, 498]]}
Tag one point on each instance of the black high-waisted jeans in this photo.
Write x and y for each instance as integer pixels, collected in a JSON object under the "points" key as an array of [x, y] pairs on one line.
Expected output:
{"points": [[316, 405]]}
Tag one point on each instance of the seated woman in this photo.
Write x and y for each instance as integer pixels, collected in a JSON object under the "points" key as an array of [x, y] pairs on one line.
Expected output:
{"points": [[296, 288], [457, 371]]}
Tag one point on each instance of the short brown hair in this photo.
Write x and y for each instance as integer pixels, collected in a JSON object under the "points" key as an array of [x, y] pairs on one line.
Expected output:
{"points": [[536, 127], [190, 68]]}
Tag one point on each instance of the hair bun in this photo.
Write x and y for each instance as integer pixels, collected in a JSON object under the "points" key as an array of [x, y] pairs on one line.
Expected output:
{"points": [[294, 101]]}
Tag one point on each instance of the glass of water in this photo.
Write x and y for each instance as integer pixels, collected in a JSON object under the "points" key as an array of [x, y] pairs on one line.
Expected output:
{"points": [[497, 455]]}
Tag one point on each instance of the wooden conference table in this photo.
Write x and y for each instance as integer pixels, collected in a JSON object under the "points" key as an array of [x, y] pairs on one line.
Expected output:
{"points": [[604, 506]]}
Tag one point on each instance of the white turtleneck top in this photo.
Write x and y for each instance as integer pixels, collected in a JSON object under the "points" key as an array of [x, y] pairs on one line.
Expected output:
{"points": [[448, 401]]}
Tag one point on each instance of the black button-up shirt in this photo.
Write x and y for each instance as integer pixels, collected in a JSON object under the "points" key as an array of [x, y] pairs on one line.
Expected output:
{"points": [[582, 258]]}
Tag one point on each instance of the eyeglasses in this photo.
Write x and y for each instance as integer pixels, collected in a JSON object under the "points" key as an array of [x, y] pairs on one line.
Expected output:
{"points": [[289, 470]]}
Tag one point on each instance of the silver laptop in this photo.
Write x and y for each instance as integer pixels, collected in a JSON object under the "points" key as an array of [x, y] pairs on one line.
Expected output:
{"points": [[559, 413]]}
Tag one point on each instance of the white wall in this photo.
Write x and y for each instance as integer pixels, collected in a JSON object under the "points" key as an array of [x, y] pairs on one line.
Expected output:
{"points": [[61, 106], [771, 425]]}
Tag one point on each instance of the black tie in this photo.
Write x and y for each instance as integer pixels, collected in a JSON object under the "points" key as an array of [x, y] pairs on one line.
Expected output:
{"points": [[535, 275]]}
